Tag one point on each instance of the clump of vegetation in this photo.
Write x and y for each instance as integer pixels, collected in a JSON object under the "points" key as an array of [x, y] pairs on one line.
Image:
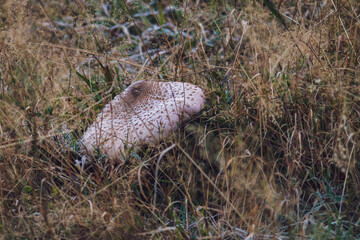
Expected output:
{"points": [[274, 153]]}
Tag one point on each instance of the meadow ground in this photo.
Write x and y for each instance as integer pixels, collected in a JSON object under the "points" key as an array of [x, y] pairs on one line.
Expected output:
{"points": [[274, 154]]}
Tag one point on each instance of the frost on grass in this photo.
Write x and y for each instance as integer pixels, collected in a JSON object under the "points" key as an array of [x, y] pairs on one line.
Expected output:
{"points": [[145, 113]]}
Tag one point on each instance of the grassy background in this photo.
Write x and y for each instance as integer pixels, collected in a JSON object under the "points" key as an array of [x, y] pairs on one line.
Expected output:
{"points": [[274, 153]]}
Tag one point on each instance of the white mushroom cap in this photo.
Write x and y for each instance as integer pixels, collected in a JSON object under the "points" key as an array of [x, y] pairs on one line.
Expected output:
{"points": [[145, 113]]}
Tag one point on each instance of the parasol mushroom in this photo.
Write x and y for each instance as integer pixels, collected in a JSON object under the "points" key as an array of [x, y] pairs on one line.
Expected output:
{"points": [[144, 114]]}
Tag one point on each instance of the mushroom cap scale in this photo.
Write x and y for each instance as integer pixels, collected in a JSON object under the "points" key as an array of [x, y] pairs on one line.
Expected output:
{"points": [[144, 114]]}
